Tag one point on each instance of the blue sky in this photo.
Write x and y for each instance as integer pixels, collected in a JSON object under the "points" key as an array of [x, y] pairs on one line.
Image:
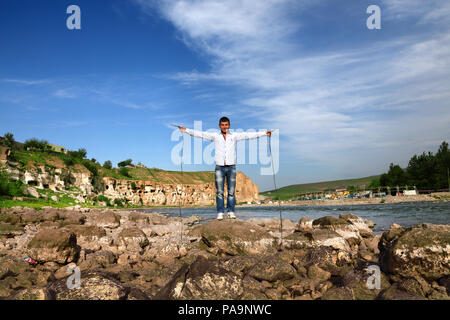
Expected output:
{"points": [[347, 100]]}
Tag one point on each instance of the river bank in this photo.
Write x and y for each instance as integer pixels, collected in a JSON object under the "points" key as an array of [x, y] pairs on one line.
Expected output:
{"points": [[123, 254], [434, 197]]}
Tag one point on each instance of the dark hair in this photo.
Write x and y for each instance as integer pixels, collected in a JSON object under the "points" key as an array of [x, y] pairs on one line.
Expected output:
{"points": [[224, 119]]}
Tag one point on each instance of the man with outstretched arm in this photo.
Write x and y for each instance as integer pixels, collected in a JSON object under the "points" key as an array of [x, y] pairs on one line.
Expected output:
{"points": [[225, 158]]}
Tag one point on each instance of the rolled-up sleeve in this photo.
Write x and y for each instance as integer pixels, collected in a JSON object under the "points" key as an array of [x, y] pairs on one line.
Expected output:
{"points": [[250, 135], [200, 134]]}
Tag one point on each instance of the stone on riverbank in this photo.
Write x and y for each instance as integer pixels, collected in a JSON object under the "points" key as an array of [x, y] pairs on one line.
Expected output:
{"points": [[422, 250], [235, 237], [54, 245]]}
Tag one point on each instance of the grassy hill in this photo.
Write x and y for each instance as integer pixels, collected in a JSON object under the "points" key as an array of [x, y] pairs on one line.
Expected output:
{"points": [[293, 191], [51, 160]]}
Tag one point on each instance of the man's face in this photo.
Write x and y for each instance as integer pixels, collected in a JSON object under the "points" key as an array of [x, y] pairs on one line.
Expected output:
{"points": [[224, 126]]}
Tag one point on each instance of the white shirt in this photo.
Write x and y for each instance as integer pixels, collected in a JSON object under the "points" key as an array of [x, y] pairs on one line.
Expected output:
{"points": [[225, 148]]}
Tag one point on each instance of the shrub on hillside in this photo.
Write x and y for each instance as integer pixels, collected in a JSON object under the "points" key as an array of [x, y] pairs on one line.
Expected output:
{"points": [[35, 144], [91, 167], [124, 172], [80, 154], [118, 202], [102, 198], [107, 164], [69, 161], [9, 187]]}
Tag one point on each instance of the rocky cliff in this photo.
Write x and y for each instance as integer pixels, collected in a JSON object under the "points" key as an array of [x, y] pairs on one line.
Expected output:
{"points": [[56, 176], [150, 192]]}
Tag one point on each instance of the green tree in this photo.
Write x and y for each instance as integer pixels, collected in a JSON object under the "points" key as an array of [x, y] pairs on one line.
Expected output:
{"points": [[374, 184], [421, 171], [442, 166], [35, 144], [384, 180], [397, 176], [107, 164], [9, 140], [125, 163], [91, 167]]}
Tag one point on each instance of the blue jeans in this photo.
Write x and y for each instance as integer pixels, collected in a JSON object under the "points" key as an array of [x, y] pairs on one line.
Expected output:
{"points": [[228, 172]]}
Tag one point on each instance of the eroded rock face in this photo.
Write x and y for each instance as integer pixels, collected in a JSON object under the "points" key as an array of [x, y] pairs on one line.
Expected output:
{"points": [[58, 245], [422, 250]]}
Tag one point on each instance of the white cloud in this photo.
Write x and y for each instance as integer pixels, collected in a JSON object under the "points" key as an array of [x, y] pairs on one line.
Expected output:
{"points": [[26, 82], [64, 93]]}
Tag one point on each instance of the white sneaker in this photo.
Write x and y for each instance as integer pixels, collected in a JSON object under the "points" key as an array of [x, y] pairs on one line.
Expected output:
{"points": [[231, 215], [220, 216]]}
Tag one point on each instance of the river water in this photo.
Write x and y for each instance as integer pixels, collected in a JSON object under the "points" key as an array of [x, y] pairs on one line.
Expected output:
{"points": [[405, 214]]}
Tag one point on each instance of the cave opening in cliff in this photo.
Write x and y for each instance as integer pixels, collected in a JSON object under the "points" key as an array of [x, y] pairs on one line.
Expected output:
{"points": [[32, 183]]}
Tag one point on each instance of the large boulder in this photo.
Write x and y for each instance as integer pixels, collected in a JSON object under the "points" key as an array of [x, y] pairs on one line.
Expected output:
{"points": [[341, 226], [10, 230], [364, 226], [98, 260], [72, 217], [88, 237], [131, 240], [95, 285], [422, 250], [56, 245], [31, 192], [203, 279], [235, 237], [304, 224], [316, 238], [34, 293], [105, 220], [270, 268]]}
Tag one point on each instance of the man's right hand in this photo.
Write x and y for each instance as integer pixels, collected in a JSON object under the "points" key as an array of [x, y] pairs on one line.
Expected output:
{"points": [[182, 129]]}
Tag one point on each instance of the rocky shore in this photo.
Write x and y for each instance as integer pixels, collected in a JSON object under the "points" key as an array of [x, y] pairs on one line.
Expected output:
{"points": [[125, 255]]}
